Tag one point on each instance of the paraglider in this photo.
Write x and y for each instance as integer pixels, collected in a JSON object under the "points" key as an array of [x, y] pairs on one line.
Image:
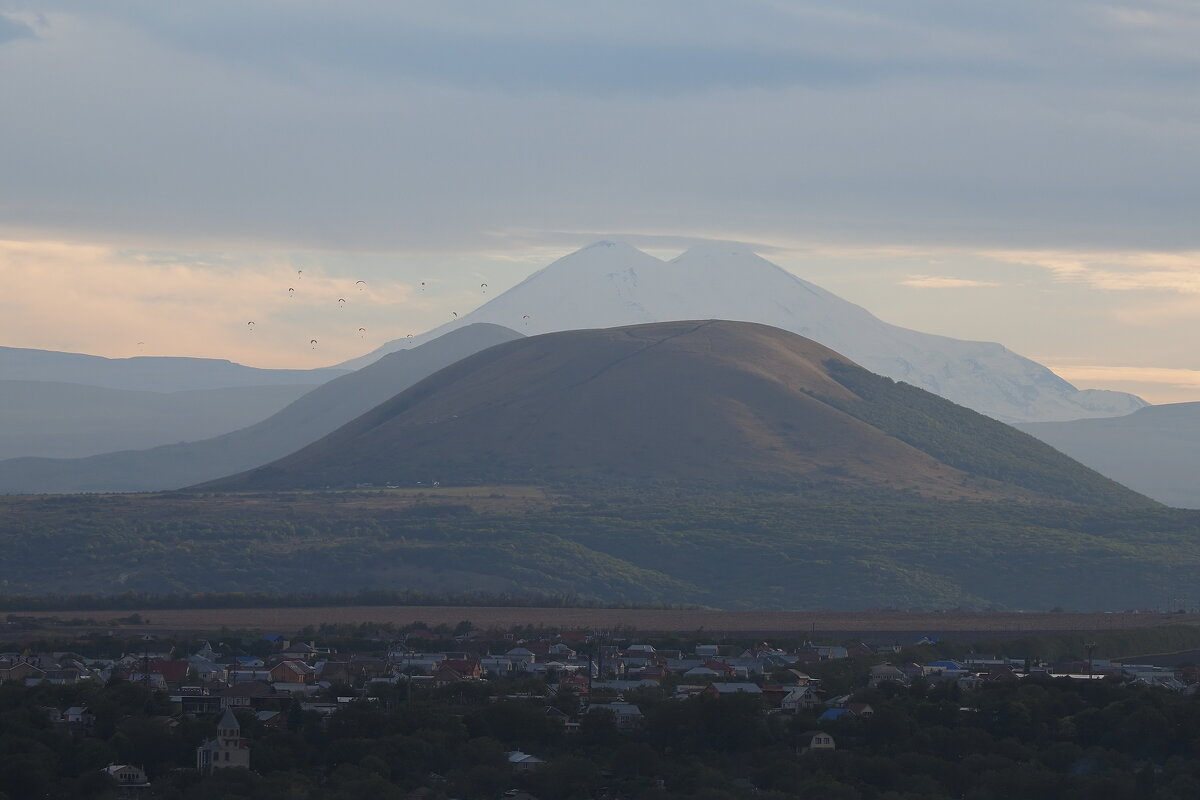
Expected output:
{"points": [[455, 313], [526, 318], [250, 325], [360, 284], [341, 302], [361, 331], [483, 288], [299, 273], [291, 291], [313, 342], [410, 336], [422, 286]]}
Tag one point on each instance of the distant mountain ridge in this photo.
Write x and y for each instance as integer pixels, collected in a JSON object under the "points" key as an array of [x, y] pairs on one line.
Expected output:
{"points": [[305, 420], [72, 405], [689, 403], [149, 373], [1155, 451], [69, 420], [611, 284]]}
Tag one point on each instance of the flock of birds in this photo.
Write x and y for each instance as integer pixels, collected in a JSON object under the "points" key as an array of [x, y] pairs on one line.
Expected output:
{"points": [[341, 303]]}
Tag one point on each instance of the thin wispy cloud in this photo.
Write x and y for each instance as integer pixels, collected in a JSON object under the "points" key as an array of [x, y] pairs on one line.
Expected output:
{"points": [[1154, 384], [1178, 378], [1117, 271], [944, 282], [12, 28]]}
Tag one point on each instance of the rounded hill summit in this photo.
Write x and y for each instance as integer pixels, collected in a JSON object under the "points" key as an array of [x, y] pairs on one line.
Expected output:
{"points": [[695, 403]]}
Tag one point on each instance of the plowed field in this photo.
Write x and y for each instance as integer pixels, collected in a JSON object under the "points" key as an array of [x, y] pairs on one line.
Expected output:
{"points": [[285, 620]]}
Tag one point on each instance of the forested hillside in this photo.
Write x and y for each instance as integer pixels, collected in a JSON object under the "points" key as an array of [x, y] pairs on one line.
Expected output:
{"points": [[722, 551]]}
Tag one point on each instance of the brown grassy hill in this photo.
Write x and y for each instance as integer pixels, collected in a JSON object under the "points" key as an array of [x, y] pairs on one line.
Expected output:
{"points": [[709, 403]]}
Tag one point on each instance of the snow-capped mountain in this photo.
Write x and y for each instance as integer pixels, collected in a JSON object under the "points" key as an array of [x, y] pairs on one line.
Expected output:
{"points": [[609, 284]]}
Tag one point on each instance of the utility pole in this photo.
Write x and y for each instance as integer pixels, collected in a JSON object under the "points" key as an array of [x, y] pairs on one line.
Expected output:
{"points": [[591, 665], [1091, 648], [599, 659], [598, 648]]}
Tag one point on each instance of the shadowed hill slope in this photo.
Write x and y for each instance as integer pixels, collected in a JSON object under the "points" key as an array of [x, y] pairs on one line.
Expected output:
{"points": [[687, 403], [307, 419]]}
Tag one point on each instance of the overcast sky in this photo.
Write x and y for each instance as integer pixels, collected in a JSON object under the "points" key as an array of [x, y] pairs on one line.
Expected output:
{"points": [[1022, 172]]}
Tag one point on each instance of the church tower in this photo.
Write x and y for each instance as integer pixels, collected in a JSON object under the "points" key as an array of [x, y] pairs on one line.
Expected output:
{"points": [[228, 749]]}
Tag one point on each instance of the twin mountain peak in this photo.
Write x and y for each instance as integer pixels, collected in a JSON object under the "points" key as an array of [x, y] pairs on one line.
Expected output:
{"points": [[610, 284]]}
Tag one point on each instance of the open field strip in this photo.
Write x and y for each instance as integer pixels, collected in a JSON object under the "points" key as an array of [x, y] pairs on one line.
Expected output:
{"points": [[646, 620]]}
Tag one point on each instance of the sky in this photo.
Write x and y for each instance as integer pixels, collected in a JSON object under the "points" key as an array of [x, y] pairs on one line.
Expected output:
{"points": [[1022, 172]]}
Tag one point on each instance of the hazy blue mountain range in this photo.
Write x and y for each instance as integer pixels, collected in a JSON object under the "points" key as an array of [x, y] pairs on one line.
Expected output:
{"points": [[307, 419], [1155, 451], [69, 420], [69, 405], [611, 284], [148, 373]]}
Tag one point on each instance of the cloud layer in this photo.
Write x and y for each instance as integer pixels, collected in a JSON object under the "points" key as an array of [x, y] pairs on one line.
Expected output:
{"points": [[405, 125]]}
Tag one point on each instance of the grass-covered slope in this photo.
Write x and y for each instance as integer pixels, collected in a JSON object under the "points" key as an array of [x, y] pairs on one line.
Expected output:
{"points": [[971, 442]]}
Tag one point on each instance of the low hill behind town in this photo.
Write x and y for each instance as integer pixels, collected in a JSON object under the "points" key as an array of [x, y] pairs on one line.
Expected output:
{"points": [[708, 403]]}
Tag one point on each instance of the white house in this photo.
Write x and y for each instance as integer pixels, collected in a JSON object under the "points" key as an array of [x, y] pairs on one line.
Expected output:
{"points": [[815, 740], [131, 781], [523, 762]]}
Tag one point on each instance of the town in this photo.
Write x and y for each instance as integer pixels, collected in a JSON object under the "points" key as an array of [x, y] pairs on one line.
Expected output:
{"points": [[460, 712]]}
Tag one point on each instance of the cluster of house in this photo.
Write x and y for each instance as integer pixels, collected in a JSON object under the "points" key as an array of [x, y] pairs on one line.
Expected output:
{"points": [[973, 672], [226, 749], [301, 675]]}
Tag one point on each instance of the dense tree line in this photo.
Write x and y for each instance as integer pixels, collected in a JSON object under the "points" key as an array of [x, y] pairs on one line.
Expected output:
{"points": [[749, 551], [1038, 738]]}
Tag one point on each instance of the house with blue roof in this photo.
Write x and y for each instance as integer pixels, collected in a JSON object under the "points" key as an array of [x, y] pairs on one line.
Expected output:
{"points": [[834, 714]]}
